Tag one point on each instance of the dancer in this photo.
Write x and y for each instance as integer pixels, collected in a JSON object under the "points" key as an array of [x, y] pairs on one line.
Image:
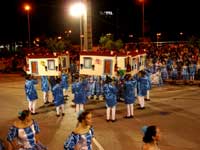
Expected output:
{"points": [[31, 93], [151, 137], [23, 135], [129, 95], [142, 84], [110, 92], [83, 135], [79, 89], [45, 88], [58, 98]]}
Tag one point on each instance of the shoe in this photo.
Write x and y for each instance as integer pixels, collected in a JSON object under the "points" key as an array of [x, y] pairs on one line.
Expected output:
{"points": [[131, 116], [63, 114], [141, 108], [127, 117], [34, 113], [107, 120], [114, 120], [47, 102], [147, 99], [57, 115]]}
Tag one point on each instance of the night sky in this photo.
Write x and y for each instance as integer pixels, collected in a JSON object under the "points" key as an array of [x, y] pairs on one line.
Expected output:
{"points": [[50, 17]]}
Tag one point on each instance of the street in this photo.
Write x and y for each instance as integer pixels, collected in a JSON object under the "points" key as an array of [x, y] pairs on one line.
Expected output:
{"points": [[174, 109]]}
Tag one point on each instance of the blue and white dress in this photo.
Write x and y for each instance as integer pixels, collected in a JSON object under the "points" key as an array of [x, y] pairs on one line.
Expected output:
{"points": [[85, 140], [142, 84], [25, 136], [129, 93], [64, 81], [44, 83], [30, 90], [110, 93], [58, 95], [79, 89]]}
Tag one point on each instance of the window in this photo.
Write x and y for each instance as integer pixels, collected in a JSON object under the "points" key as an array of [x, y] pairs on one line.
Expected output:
{"points": [[51, 64], [88, 63], [64, 65]]}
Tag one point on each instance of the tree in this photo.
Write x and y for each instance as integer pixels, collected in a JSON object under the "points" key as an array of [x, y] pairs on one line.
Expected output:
{"points": [[118, 44], [107, 42], [56, 44]]}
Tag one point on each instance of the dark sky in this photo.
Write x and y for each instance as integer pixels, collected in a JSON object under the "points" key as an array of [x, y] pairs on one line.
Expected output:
{"points": [[49, 17]]}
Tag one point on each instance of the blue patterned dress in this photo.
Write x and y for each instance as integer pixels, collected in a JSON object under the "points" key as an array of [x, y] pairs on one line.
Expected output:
{"points": [[64, 81], [79, 89], [110, 93], [30, 90], [44, 83], [129, 91], [58, 95], [26, 136], [85, 140], [142, 84]]}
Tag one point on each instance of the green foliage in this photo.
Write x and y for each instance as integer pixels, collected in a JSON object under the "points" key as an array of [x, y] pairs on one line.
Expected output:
{"points": [[119, 44], [55, 44], [107, 42]]}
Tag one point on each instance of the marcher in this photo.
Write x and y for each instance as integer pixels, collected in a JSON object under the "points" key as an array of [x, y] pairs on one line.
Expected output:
{"points": [[83, 135], [45, 88], [110, 92], [79, 89], [129, 95], [148, 75], [142, 84], [31, 93], [64, 83], [23, 135], [99, 87], [58, 97], [151, 137]]}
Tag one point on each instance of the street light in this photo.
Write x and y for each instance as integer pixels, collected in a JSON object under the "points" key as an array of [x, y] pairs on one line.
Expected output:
{"points": [[79, 10], [142, 1], [27, 8]]}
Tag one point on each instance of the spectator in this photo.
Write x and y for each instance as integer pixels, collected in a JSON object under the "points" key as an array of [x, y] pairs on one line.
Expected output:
{"points": [[151, 137], [24, 133]]}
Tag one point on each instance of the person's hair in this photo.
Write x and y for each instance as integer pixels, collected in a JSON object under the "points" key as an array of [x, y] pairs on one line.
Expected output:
{"points": [[58, 80], [82, 116], [149, 133], [27, 76], [23, 114]]}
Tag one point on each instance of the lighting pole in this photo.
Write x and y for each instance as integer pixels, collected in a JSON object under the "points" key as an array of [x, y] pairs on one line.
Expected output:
{"points": [[142, 1], [79, 10], [27, 9], [157, 37]]}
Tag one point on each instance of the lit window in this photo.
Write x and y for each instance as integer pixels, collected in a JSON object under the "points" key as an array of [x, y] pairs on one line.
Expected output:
{"points": [[51, 64], [87, 62]]}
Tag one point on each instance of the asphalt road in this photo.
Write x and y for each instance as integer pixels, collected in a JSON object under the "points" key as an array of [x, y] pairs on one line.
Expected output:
{"points": [[175, 109]]}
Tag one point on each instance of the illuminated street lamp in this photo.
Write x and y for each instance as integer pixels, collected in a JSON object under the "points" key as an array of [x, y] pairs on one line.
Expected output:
{"points": [[79, 10], [27, 8], [142, 1]]}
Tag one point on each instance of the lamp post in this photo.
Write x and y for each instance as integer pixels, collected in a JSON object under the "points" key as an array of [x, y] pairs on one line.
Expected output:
{"points": [[142, 1], [27, 8], [79, 10], [157, 37]]}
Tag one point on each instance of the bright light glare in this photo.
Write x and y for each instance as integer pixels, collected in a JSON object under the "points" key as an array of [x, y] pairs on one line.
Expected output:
{"points": [[27, 7], [77, 10]]}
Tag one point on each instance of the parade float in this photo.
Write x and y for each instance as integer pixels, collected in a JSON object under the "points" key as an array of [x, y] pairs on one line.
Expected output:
{"points": [[48, 64], [111, 63]]}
